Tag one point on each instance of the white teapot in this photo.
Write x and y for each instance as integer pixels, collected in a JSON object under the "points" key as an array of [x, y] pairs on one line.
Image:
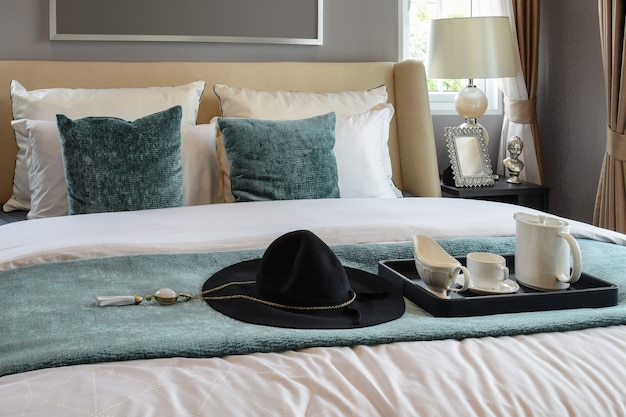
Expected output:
{"points": [[542, 252]]}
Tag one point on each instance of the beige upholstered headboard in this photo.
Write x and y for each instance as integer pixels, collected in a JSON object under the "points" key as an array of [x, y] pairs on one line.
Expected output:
{"points": [[411, 143]]}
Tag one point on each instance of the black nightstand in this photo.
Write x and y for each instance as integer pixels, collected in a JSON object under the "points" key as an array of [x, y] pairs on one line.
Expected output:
{"points": [[13, 216], [525, 194]]}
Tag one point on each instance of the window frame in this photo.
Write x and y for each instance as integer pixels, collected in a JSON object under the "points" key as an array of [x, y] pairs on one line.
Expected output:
{"points": [[443, 103]]}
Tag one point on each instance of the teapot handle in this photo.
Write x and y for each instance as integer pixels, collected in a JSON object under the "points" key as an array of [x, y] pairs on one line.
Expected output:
{"points": [[576, 259], [466, 279]]}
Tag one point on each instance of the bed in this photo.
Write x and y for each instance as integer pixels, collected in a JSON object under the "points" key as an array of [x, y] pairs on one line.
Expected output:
{"points": [[63, 355]]}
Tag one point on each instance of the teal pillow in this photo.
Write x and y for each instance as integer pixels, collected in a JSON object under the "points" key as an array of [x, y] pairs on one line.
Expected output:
{"points": [[281, 159], [115, 165]]}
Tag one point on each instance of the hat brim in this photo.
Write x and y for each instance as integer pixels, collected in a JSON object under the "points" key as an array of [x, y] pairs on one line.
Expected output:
{"points": [[376, 301]]}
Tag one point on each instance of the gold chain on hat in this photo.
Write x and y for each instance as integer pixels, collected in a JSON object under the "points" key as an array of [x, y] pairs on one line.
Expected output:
{"points": [[269, 303]]}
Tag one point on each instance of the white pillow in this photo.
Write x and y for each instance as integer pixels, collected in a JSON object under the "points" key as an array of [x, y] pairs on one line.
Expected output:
{"points": [[201, 184], [125, 103], [47, 178], [285, 105], [361, 151]]}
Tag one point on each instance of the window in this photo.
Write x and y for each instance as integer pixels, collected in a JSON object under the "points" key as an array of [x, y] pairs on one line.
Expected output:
{"points": [[415, 18]]}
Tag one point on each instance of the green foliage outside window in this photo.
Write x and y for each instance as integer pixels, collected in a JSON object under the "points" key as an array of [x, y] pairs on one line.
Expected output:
{"points": [[421, 12]]}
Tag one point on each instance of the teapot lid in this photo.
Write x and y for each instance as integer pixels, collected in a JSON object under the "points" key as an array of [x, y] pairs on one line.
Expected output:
{"points": [[539, 220]]}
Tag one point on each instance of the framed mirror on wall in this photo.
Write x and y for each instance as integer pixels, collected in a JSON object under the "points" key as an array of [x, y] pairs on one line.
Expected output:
{"points": [[469, 157]]}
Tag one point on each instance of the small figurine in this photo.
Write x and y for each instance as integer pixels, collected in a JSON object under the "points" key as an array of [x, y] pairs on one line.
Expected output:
{"points": [[512, 163]]}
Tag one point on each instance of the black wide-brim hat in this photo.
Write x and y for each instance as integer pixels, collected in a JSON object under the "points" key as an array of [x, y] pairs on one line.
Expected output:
{"points": [[300, 283]]}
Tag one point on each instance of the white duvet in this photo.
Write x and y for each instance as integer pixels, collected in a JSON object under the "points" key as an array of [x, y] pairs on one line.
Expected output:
{"points": [[255, 225], [578, 373], [544, 375]]}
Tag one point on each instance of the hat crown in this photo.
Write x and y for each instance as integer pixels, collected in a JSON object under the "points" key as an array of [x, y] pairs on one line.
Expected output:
{"points": [[298, 268]]}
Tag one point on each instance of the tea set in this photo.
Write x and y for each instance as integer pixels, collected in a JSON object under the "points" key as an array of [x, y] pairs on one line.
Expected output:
{"points": [[547, 258]]}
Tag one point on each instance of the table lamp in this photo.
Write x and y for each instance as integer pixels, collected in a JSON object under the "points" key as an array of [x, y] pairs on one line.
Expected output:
{"points": [[469, 48]]}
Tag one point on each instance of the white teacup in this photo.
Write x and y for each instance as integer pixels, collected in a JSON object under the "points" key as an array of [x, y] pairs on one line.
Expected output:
{"points": [[437, 268], [488, 270]]}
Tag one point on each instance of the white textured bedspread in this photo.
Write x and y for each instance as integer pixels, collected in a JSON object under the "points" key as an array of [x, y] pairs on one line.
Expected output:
{"points": [[255, 225]]}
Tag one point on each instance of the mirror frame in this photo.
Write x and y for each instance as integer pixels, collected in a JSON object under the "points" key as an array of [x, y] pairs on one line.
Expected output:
{"points": [[485, 177], [67, 22]]}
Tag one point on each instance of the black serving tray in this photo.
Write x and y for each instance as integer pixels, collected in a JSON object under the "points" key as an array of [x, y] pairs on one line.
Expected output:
{"points": [[587, 292]]}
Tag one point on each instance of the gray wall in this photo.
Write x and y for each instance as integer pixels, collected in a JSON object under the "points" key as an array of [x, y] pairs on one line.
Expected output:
{"points": [[571, 109], [354, 30], [571, 105]]}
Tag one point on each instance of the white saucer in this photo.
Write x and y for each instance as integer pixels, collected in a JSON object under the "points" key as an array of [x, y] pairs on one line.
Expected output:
{"points": [[565, 286], [504, 287]]}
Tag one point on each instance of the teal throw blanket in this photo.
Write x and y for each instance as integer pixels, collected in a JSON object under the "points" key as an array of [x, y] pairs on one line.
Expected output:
{"points": [[49, 316]]}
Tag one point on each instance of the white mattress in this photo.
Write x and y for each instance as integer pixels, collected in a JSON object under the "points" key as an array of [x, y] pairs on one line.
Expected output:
{"points": [[577, 373]]}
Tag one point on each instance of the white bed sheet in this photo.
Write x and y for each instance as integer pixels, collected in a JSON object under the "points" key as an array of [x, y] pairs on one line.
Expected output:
{"points": [[542, 375], [211, 227]]}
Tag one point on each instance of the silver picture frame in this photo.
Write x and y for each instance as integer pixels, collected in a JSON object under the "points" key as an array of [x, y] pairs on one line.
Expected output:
{"points": [[469, 157], [218, 21]]}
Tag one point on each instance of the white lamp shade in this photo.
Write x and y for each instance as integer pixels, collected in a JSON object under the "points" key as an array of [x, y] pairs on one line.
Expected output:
{"points": [[471, 47]]}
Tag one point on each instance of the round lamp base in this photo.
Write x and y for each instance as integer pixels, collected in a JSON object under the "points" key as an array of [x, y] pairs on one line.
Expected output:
{"points": [[471, 102]]}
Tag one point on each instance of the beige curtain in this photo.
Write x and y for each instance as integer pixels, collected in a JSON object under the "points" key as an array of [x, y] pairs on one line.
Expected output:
{"points": [[520, 93], [610, 209]]}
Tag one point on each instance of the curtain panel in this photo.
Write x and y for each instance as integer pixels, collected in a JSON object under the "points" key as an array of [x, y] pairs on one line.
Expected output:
{"points": [[520, 92], [610, 207]]}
